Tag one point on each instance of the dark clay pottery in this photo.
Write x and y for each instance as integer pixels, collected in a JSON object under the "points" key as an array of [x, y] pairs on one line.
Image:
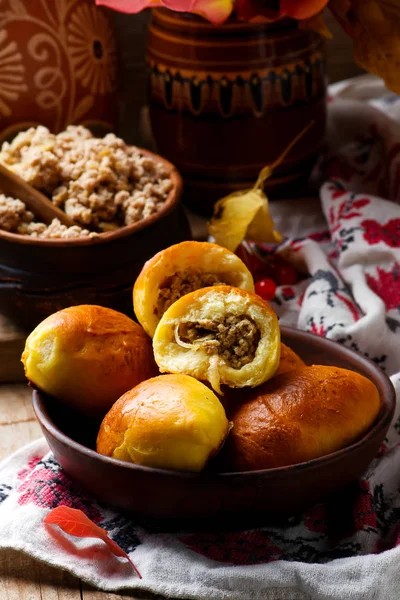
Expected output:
{"points": [[58, 65], [39, 276], [267, 494], [226, 101]]}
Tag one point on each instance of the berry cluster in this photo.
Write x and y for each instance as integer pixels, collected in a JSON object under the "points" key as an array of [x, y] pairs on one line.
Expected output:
{"points": [[269, 270]]}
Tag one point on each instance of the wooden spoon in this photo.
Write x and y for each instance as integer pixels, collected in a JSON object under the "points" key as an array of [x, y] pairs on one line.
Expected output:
{"points": [[12, 185]]}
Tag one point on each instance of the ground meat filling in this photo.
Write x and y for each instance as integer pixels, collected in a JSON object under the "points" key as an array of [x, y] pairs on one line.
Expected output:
{"points": [[180, 284], [101, 183], [16, 218], [235, 338]]}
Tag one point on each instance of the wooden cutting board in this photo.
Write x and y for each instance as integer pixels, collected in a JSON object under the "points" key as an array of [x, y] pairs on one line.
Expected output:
{"points": [[12, 341]]}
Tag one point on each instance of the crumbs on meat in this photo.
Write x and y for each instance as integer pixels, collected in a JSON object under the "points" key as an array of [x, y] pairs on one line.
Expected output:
{"points": [[15, 218], [234, 338], [180, 284]]}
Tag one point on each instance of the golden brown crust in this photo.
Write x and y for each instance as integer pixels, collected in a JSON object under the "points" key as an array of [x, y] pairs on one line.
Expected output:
{"points": [[290, 361], [215, 303], [197, 257], [88, 356], [198, 295], [299, 416], [169, 421]]}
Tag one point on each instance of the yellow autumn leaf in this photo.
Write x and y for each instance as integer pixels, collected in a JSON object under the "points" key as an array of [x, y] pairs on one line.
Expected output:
{"points": [[374, 26], [245, 215], [262, 228], [242, 215]]}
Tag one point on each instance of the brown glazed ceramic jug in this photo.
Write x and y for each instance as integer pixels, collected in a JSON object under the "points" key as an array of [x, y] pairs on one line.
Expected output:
{"points": [[57, 65], [226, 101]]}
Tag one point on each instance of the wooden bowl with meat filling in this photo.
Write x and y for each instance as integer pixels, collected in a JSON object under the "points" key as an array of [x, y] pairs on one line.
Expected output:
{"points": [[213, 493], [40, 276]]}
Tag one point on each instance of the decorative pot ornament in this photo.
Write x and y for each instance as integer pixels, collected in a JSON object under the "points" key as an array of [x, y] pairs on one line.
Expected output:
{"points": [[57, 66], [225, 101]]}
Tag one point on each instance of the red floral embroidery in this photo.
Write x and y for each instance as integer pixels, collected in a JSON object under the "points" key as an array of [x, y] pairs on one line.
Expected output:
{"points": [[340, 243], [364, 514], [332, 216], [238, 548], [318, 329], [301, 299], [333, 255], [338, 194], [350, 305], [48, 487], [320, 518], [297, 245], [348, 209], [30, 466], [320, 236], [382, 450], [388, 233], [316, 519], [387, 286], [287, 293], [360, 203]]}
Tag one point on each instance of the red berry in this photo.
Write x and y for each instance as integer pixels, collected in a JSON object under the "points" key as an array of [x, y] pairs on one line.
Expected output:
{"points": [[250, 259], [266, 289], [287, 275]]}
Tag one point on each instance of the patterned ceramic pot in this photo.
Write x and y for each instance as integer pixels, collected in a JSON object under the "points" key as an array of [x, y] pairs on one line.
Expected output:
{"points": [[225, 101], [57, 65]]}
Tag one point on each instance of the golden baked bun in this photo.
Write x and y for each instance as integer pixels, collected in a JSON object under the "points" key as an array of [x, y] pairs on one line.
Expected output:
{"points": [[290, 361], [88, 356], [299, 416], [181, 269], [219, 334], [169, 422]]}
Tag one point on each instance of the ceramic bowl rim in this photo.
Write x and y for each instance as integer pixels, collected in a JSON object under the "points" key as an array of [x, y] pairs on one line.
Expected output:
{"points": [[384, 418], [170, 203]]}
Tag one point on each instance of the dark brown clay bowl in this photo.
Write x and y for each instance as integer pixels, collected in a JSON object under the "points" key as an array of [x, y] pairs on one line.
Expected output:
{"points": [[39, 276], [262, 494]]}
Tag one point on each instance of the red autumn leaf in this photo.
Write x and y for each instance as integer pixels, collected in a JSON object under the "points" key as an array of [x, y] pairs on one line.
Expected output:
{"points": [[128, 6], [76, 523], [216, 11], [135, 6]]}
